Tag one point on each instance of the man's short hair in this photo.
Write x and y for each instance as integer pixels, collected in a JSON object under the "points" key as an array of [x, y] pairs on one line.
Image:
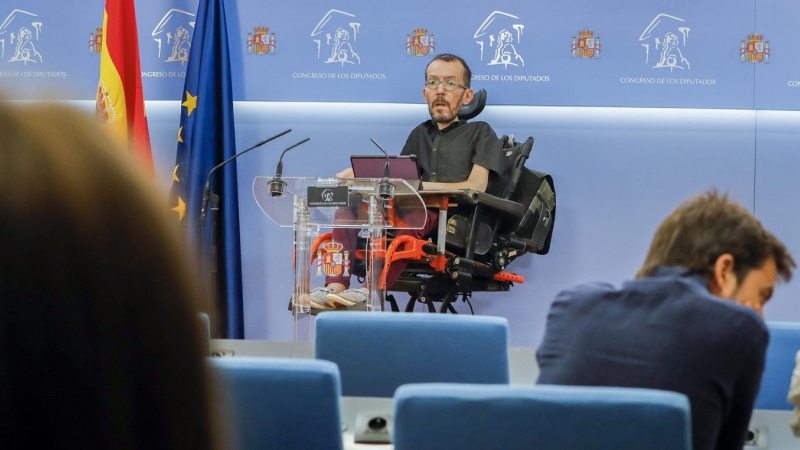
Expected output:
{"points": [[708, 226], [448, 57]]}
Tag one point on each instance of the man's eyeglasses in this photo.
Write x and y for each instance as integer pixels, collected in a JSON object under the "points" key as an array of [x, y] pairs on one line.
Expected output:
{"points": [[449, 85]]}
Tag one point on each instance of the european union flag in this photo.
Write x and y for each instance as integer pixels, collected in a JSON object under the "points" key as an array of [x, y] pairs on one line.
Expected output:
{"points": [[205, 139]]}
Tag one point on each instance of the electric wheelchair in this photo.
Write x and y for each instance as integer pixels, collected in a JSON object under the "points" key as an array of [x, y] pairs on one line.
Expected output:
{"points": [[483, 232]]}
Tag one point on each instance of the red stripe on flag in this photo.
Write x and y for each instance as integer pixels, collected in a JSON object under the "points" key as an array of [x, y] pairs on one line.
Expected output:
{"points": [[122, 44]]}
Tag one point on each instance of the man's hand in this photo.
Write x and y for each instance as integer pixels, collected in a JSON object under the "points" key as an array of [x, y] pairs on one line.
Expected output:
{"points": [[346, 173]]}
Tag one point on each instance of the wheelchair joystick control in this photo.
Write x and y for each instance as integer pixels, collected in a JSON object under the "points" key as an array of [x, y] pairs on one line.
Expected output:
{"points": [[385, 187]]}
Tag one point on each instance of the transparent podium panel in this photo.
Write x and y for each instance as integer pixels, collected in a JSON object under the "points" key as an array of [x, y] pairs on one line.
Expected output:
{"points": [[309, 205]]}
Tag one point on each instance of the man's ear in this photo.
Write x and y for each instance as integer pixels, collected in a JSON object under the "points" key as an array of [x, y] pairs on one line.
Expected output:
{"points": [[468, 94], [722, 282]]}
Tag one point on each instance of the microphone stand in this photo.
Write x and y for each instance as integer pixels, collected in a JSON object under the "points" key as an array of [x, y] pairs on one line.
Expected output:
{"points": [[207, 187], [385, 192], [385, 187], [210, 197], [276, 185], [212, 264]]}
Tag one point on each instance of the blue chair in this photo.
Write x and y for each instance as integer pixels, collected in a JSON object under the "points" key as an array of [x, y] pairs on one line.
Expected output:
{"points": [[283, 403], [539, 417], [784, 342], [377, 352]]}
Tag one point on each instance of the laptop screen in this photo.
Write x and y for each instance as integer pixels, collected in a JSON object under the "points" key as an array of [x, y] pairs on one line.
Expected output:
{"points": [[373, 166]]}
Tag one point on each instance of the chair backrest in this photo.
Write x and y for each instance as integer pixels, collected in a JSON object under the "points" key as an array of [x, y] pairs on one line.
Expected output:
{"points": [[474, 107], [284, 403], [539, 417], [377, 352], [784, 343]]}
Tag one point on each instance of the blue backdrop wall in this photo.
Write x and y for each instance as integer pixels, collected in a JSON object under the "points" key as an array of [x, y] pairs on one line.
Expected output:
{"points": [[635, 106]]}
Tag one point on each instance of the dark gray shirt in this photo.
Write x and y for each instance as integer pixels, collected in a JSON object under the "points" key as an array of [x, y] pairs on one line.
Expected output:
{"points": [[447, 156]]}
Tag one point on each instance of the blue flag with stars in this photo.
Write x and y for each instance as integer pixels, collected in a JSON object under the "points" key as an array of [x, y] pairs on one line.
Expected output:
{"points": [[205, 139]]}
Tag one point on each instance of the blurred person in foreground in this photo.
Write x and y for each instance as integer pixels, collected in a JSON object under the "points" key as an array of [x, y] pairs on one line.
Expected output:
{"points": [[691, 321], [100, 341]]}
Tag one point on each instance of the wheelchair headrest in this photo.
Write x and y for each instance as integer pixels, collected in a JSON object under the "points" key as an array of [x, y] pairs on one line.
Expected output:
{"points": [[474, 107]]}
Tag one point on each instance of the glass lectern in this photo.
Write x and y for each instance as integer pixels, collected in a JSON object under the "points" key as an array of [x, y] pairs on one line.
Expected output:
{"points": [[310, 204]]}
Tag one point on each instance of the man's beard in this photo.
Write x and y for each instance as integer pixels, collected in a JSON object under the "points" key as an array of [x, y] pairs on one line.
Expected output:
{"points": [[447, 117], [442, 118]]}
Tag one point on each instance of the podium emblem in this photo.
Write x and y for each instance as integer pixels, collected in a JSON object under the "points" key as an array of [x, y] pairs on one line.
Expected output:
{"points": [[327, 197], [332, 261]]}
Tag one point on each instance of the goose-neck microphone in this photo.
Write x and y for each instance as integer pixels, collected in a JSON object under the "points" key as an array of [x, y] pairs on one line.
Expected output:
{"points": [[385, 187]]}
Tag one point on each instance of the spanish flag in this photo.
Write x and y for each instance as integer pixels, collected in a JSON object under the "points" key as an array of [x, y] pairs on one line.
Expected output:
{"points": [[120, 100]]}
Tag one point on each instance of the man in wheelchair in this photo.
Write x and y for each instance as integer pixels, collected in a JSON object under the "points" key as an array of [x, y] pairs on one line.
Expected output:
{"points": [[453, 156]]}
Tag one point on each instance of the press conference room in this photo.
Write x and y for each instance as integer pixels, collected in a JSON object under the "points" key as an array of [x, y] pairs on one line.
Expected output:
{"points": [[242, 116]]}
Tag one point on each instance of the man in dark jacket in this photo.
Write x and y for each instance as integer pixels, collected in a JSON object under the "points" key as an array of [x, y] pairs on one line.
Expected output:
{"points": [[690, 322]]}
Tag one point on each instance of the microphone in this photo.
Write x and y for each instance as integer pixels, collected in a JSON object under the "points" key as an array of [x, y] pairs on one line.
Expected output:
{"points": [[385, 187], [276, 185], [207, 187]]}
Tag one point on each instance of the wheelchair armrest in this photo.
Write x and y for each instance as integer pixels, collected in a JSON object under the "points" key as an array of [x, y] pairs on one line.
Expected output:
{"points": [[506, 207]]}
